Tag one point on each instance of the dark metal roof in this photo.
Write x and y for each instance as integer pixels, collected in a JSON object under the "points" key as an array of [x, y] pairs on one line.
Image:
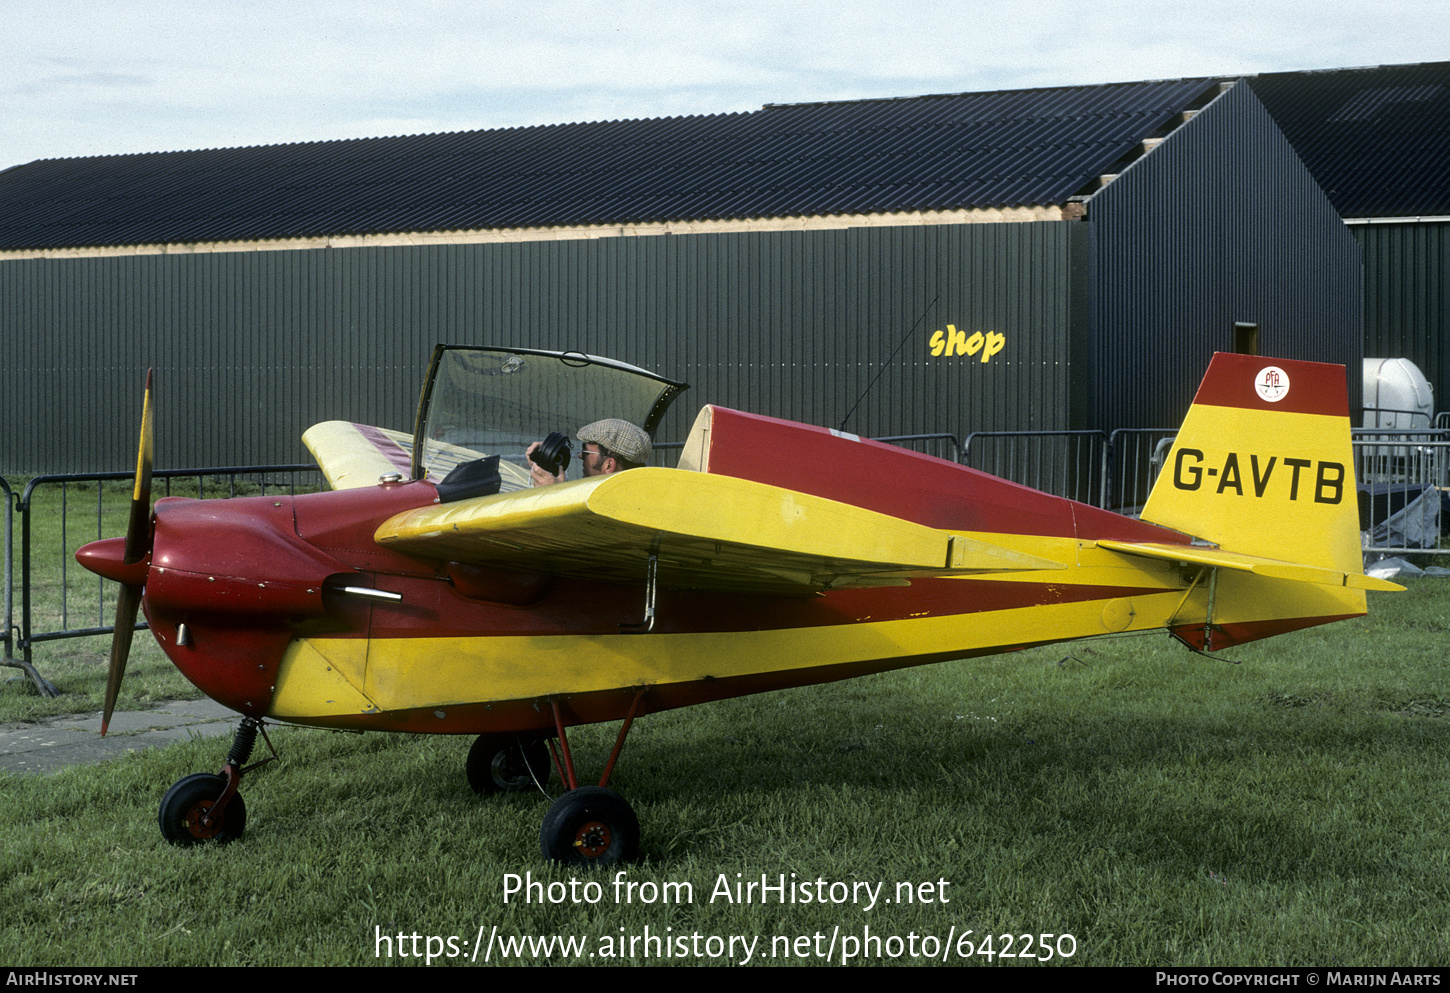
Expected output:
{"points": [[998, 149], [1376, 139]]}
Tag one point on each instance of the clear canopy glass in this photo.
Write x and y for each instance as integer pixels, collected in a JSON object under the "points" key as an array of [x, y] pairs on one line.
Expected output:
{"points": [[479, 402]]}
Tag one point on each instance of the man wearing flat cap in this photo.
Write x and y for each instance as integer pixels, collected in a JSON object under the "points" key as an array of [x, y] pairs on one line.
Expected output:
{"points": [[607, 446]]}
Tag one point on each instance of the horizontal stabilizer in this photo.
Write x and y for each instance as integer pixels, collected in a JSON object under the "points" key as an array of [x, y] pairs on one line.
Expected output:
{"points": [[1270, 568]]}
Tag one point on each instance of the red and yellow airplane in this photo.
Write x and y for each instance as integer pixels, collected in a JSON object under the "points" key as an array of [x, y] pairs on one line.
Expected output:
{"points": [[434, 591]]}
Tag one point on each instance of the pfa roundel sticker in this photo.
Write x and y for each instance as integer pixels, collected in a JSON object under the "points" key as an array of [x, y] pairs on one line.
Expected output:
{"points": [[1271, 383]]}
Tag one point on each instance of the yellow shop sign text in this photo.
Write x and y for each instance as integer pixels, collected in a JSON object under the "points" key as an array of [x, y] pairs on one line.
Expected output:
{"points": [[955, 342]]}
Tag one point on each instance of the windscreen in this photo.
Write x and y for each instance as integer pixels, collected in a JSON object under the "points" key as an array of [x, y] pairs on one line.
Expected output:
{"points": [[487, 401]]}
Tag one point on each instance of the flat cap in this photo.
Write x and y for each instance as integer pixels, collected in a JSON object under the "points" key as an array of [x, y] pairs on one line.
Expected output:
{"points": [[628, 441]]}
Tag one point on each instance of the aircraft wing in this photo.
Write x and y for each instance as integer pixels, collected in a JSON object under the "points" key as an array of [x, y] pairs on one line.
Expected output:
{"points": [[355, 455], [1269, 568], [708, 532]]}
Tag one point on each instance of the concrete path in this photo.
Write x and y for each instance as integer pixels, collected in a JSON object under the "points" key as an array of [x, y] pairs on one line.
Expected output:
{"points": [[57, 742]]}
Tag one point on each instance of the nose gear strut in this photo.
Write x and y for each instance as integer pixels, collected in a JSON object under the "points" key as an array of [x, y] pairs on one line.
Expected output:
{"points": [[205, 807]]}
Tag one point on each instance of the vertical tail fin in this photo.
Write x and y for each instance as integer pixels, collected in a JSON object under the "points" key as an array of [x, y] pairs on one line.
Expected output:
{"points": [[1263, 464]]}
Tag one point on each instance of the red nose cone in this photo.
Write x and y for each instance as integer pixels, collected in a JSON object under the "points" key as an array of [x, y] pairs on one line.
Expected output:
{"points": [[107, 558]]}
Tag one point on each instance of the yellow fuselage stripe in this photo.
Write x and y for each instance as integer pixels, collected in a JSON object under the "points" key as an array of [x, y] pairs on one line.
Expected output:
{"points": [[327, 677]]}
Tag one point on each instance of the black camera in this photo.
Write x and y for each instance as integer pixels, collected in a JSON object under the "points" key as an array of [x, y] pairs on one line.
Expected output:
{"points": [[553, 455]]}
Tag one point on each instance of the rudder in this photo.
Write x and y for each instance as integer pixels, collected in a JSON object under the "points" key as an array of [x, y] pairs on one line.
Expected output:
{"points": [[1263, 464]]}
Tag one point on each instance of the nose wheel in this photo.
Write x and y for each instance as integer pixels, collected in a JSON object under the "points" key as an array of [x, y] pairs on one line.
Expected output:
{"points": [[206, 807], [189, 813]]}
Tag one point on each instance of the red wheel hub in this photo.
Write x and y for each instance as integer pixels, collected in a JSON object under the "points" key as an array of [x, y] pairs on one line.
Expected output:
{"points": [[196, 824], [593, 839]]}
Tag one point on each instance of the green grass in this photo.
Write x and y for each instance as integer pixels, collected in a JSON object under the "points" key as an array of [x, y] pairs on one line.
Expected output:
{"points": [[1161, 807]]}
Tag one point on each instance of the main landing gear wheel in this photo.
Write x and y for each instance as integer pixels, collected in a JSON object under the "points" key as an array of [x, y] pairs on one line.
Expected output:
{"points": [[590, 826], [505, 764], [186, 804]]}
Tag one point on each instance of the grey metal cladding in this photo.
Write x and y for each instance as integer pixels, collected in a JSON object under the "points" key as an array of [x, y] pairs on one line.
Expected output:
{"points": [[1407, 296], [1221, 223], [250, 348], [919, 153]]}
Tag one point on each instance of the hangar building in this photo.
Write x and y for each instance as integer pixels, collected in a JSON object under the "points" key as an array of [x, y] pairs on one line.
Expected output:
{"points": [[1378, 142], [1021, 260]]}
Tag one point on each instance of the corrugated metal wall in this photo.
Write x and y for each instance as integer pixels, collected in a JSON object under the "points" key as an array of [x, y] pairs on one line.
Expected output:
{"points": [[1221, 223], [1407, 296], [251, 348]]}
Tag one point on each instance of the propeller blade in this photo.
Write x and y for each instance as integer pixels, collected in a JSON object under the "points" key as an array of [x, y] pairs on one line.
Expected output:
{"points": [[138, 546], [127, 603]]}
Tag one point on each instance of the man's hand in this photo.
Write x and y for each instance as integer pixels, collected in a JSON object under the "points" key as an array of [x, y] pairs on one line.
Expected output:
{"points": [[537, 474]]}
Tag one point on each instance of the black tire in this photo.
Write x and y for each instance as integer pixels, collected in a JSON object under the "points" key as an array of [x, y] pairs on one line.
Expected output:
{"points": [[590, 826], [188, 800], [505, 764]]}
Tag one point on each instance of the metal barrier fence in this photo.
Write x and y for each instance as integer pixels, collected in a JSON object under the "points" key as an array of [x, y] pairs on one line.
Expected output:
{"points": [[657, 455], [1404, 477], [1396, 419], [7, 636], [1402, 457], [77, 510], [942, 446], [1135, 458], [1065, 463]]}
